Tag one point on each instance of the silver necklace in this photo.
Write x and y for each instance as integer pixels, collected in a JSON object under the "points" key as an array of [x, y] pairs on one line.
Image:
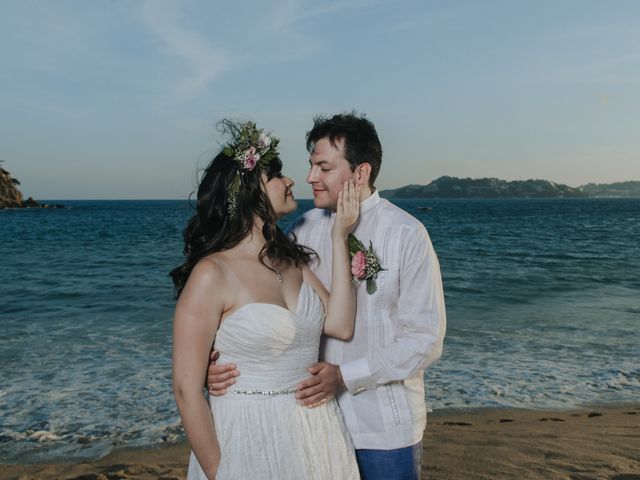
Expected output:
{"points": [[278, 274], [275, 270]]}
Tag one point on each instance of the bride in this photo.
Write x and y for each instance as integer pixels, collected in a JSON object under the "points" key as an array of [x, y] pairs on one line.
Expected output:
{"points": [[246, 286]]}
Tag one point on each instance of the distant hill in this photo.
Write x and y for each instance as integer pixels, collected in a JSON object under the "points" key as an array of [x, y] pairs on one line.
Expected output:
{"points": [[454, 187], [618, 189]]}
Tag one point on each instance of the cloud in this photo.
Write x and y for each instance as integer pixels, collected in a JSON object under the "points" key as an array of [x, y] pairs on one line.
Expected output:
{"points": [[287, 27], [205, 62], [244, 36], [313, 10], [424, 18]]}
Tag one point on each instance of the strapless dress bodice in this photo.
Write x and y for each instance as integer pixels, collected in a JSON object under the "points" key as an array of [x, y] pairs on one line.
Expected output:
{"points": [[262, 430], [271, 345]]}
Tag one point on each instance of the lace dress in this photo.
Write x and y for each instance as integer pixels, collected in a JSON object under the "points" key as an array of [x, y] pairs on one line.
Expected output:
{"points": [[262, 431]]}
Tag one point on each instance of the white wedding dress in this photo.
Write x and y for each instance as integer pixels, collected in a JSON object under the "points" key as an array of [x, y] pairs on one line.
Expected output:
{"points": [[262, 431]]}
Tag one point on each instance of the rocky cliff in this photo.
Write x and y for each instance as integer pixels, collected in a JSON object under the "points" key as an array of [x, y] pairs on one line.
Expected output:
{"points": [[10, 196]]}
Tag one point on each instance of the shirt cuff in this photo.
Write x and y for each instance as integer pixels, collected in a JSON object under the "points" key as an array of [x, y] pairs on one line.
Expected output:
{"points": [[356, 376]]}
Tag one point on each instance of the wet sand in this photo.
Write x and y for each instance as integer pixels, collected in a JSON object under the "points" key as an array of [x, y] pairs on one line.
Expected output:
{"points": [[597, 443]]}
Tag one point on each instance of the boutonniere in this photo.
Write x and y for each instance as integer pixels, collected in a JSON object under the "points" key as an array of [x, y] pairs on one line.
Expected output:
{"points": [[365, 264]]}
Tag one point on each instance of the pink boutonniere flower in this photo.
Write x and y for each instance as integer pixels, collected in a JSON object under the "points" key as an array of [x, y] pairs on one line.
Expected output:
{"points": [[359, 265], [365, 264]]}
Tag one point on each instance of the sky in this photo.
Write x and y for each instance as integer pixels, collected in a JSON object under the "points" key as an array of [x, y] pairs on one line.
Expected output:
{"points": [[119, 99]]}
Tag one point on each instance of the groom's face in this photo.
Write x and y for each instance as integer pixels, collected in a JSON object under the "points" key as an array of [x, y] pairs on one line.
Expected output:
{"points": [[329, 169]]}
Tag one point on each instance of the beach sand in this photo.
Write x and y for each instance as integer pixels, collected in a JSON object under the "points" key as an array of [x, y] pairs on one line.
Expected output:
{"points": [[598, 443]]}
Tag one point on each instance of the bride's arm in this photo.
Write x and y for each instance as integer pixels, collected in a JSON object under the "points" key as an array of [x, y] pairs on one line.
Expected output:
{"points": [[341, 304], [196, 321]]}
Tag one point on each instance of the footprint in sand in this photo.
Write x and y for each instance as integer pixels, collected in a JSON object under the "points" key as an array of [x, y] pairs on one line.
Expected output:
{"points": [[594, 414], [631, 413], [506, 420], [458, 424], [552, 419], [90, 476]]}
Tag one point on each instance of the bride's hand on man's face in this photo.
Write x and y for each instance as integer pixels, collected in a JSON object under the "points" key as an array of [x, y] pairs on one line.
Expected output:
{"points": [[348, 208]]}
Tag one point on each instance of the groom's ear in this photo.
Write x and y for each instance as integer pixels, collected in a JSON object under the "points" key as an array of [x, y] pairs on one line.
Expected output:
{"points": [[362, 174]]}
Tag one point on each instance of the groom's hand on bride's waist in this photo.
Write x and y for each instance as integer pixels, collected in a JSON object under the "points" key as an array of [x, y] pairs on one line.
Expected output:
{"points": [[220, 377], [325, 381]]}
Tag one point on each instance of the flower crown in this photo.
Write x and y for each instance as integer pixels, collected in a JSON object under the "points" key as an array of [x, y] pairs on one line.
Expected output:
{"points": [[250, 147]]}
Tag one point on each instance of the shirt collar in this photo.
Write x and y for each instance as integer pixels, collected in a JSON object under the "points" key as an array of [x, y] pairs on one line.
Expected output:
{"points": [[369, 202]]}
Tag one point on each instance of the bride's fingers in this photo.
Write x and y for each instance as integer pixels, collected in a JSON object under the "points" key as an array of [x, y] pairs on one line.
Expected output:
{"points": [[346, 197], [356, 198], [344, 194], [348, 206], [354, 194], [349, 190]]}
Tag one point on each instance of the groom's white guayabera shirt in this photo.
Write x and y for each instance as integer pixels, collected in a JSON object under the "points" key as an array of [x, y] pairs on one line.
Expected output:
{"points": [[399, 329]]}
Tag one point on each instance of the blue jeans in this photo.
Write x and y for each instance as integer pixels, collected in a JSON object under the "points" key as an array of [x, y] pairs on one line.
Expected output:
{"points": [[399, 464]]}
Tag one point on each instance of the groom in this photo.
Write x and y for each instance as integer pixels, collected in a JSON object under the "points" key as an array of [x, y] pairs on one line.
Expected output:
{"points": [[377, 376]]}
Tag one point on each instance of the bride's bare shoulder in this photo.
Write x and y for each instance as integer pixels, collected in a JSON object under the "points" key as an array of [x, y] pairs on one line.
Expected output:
{"points": [[209, 272], [203, 299]]}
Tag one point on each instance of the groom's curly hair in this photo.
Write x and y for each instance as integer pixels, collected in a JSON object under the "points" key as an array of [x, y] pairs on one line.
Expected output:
{"points": [[361, 142]]}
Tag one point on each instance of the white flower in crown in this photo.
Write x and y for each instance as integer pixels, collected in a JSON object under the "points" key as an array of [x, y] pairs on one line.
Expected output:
{"points": [[264, 140]]}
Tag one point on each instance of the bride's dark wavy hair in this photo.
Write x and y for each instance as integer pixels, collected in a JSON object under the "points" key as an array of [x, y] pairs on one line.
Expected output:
{"points": [[212, 229]]}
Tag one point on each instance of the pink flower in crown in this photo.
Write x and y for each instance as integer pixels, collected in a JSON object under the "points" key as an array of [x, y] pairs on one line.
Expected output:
{"points": [[251, 158], [359, 265]]}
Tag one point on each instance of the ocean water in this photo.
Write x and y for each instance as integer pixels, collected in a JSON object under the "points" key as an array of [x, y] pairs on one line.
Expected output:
{"points": [[543, 303]]}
